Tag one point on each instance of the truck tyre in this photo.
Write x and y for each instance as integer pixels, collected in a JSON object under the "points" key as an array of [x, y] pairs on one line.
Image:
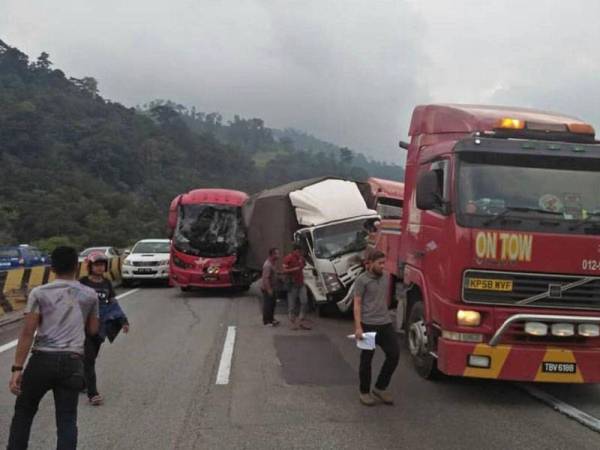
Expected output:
{"points": [[419, 344], [184, 288], [125, 283]]}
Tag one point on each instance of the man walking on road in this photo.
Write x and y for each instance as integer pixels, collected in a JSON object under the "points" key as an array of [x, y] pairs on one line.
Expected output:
{"points": [[60, 312], [371, 315], [293, 267], [268, 282]]}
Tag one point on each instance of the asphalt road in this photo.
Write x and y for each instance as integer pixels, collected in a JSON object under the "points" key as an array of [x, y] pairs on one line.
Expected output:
{"points": [[286, 389]]}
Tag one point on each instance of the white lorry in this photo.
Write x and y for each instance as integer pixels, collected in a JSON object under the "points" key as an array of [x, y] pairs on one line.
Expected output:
{"points": [[329, 218]]}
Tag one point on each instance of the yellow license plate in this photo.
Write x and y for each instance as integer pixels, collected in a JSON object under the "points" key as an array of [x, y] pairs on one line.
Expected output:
{"points": [[487, 284]]}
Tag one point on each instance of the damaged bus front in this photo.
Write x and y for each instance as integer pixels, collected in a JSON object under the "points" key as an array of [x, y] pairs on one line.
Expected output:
{"points": [[208, 239]]}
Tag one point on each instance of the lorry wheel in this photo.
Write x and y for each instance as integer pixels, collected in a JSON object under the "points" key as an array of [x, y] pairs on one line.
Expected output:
{"points": [[185, 288], [419, 343], [125, 283]]}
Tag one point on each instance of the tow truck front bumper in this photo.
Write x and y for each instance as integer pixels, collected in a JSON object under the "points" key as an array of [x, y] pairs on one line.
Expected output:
{"points": [[520, 362]]}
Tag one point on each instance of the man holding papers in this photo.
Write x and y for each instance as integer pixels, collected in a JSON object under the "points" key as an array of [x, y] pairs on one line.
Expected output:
{"points": [[371, 315]]}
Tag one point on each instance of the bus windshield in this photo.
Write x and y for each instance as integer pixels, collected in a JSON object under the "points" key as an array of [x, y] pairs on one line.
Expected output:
{"points": [[209, 230]]}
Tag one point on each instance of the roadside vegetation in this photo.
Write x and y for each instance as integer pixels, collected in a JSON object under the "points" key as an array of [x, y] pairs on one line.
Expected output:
{"points": [[77, 168]]}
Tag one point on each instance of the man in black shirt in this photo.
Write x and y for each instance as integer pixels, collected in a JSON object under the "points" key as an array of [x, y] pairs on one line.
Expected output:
{"points": [[112, 320]]}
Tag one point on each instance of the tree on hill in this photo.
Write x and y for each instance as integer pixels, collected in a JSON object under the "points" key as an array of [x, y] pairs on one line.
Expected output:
{"points": [[77, 168]]}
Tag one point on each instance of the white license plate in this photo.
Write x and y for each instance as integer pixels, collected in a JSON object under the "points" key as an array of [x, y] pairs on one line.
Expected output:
{"points": [[559, 367]]}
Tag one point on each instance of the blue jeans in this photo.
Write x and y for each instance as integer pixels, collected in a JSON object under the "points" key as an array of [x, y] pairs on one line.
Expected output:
{"points": [[297, 301], [63, 374]]}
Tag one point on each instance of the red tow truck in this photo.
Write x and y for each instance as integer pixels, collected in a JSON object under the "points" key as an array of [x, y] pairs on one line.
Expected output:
{"points": [[208, 240], [499, 254]]}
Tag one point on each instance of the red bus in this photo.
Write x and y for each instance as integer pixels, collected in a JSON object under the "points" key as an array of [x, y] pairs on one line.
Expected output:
{"points": [[207, 240]]}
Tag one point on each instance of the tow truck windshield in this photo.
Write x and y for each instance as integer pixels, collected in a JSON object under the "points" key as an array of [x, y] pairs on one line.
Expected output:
{"points": [[209, 230], [559, 199]]}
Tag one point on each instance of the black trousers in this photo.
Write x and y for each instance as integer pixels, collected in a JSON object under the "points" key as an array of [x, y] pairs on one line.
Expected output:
{"points": [[92, 348], [269, 302], [62, 373], [387, 340]]}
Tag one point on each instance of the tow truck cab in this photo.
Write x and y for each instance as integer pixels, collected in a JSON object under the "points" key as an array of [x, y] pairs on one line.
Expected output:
{"points": [[500, 245]]}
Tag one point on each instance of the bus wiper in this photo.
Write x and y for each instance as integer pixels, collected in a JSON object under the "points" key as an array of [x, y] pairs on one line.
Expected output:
{"points": [[587, 220], [519, 209]]}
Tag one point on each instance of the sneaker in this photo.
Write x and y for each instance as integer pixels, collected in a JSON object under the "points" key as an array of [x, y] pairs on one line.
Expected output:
{"points": [[96, 400], [272, 324], [384, 396], [275, 322], [367, 399]]}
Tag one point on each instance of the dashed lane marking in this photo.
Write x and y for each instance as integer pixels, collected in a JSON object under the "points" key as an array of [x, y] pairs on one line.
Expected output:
{"points": [[226, 357]]}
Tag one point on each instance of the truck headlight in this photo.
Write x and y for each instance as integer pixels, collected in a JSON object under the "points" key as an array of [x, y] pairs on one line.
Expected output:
{"points": [[332, 283], [127, 263], [468, 318], [563, 329], [588, 330]]}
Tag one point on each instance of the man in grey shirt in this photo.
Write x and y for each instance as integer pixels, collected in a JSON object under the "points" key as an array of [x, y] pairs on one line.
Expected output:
{"points": [[61, 312], [371, 314]]}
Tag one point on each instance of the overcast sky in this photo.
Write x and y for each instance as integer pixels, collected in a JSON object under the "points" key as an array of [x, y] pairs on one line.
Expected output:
{"points": [[346, 71]]}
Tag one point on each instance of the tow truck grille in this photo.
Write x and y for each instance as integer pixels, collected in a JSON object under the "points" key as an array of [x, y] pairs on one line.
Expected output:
{"points": [[533, 290]]}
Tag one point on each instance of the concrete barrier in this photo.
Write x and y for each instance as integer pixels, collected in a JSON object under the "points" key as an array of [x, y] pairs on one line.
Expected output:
{"points": [[15, 284]]}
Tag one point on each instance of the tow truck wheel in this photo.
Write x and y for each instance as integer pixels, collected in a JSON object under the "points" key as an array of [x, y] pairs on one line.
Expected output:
{"points": [[419, 343]]}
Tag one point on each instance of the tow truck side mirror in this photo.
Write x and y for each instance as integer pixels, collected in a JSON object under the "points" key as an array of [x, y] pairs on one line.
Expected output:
{"points": [[429, 192]]}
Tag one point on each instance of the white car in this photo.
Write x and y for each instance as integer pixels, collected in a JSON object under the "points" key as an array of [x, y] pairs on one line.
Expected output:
{"points": [[148, 260], [109, 252]]}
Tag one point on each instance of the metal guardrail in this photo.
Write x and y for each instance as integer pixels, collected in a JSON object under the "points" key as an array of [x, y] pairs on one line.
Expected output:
{"points": [[15, 284]]}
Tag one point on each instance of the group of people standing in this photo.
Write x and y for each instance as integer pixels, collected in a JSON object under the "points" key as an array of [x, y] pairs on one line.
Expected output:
{"points": [[290, 275], [370, 310], [66, 322]]}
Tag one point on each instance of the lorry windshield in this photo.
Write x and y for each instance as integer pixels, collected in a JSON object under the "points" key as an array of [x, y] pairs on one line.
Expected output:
{"points": [[545, 197], [341, 238], [209, 230]]}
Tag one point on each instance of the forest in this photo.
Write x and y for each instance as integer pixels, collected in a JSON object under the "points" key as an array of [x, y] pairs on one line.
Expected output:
{"points": [[78, 169]]}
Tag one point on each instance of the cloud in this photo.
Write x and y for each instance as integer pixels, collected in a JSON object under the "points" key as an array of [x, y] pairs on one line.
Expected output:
{"points": [[347, 71]]}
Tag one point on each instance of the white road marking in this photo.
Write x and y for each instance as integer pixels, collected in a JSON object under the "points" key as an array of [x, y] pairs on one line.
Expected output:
{"points": [[226, 357], [558, 405], [12, 344], [125, 294], [8, 346]]}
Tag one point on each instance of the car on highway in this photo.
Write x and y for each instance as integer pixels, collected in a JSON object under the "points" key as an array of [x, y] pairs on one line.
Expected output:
{"points": [[148, 260], [15, 256], [109, 252]]}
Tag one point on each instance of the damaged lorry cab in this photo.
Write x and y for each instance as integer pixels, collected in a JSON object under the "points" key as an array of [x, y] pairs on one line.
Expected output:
{"points": [[208, 239], [500, 245], [327, 216]]}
